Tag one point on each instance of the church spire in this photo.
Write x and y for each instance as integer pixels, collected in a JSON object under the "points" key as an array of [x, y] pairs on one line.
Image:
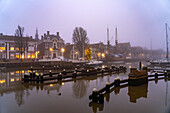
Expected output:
{"points": [[36, 35]]}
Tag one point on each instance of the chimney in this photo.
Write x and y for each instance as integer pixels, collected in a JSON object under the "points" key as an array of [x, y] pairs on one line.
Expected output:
{"points": [[1, 34], [48, 32], [42, 37], [57, 33]]}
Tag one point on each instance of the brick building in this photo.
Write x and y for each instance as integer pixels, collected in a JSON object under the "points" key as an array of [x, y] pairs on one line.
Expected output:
{"points": [[50, 45], [11, 47]]}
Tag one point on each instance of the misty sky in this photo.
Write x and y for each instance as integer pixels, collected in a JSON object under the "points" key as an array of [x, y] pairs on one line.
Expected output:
{"points": [[138, 21]]}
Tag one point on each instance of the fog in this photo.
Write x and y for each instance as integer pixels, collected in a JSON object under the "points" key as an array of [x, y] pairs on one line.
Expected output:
{"points": [[138, 21]]}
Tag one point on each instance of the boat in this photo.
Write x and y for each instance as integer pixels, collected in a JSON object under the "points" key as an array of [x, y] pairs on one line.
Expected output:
{"points": [[94, 63], [166, 61], [137, 77]]}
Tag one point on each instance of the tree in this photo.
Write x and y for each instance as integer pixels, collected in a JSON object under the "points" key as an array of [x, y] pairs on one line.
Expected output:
{"points": [[88, 53], [20, 42], [80, 39]]}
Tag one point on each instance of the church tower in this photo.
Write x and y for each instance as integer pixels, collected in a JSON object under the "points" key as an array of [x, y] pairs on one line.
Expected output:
{"points": [[36, 35]]}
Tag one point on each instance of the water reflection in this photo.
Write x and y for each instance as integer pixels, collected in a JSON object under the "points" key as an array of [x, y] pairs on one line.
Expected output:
{"points": [[136, 92], [80, 88], [96, 106]]}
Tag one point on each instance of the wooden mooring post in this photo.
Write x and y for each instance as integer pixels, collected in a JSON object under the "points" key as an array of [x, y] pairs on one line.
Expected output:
{"points": [[70, 74]]}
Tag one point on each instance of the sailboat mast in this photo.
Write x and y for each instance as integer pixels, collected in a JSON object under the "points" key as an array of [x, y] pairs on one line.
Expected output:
{"points": [[167, 53], [116, 42], [108, 42]]}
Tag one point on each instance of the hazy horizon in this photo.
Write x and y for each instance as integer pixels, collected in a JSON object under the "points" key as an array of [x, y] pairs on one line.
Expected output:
{"points": [[138, 21]]}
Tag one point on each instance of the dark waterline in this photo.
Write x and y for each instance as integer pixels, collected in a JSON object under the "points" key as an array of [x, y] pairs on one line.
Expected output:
{"points": [[72, 96]]}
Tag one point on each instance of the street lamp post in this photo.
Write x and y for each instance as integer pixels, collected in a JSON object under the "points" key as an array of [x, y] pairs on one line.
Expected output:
{"points": [[51, 49], [1, 55], [62, 51], [76, 55]]}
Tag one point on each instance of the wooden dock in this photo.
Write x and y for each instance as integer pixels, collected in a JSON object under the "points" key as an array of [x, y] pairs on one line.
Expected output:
{"points": [[98, 95], [40, 78]]}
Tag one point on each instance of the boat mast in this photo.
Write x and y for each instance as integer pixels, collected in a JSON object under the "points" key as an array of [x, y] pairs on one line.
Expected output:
{"points": [[116, 42], [108, 42], [166, 26]]}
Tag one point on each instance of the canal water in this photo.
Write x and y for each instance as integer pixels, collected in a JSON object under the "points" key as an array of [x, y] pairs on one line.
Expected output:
{"points": [[72, 96]]}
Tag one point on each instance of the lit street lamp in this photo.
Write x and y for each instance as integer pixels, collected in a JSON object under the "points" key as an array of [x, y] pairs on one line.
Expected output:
{"points": [[51, 49], [103, 55], [36, 53], [62, 50]]}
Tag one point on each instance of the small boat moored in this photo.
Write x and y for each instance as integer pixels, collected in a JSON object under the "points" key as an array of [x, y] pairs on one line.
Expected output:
{"points": [[138, 77]]}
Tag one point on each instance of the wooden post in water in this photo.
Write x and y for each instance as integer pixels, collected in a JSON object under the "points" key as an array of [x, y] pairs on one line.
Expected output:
{"points": [[140, 65]]}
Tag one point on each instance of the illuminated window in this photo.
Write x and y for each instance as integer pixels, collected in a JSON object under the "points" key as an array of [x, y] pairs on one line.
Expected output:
{"points": [[12, 80], [11, 48], [2, 81], [22, 56], [29, 56], [17, 79], [17, 48], [2, 48], [17, 72], [33, 56], [12, 73], [11, 55], [17, 56]]}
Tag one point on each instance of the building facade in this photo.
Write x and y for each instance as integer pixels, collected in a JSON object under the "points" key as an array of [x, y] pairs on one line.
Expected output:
{"points": [[13, 47], [50, 46], [71, 52]]}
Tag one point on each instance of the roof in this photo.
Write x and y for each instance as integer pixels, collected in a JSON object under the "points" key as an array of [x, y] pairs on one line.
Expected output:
{"points": [[53, 36], [13, 38]]}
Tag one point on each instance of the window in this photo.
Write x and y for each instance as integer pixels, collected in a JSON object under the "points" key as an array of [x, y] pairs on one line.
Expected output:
{"points": [[33, 56], [12, 56], [31, 48], [17, 49], [46, 45], [12, 48], [46, 52], [54, 45], [2, 48], [17, 55], [22, 56], [29, 56], [12, 44]]}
